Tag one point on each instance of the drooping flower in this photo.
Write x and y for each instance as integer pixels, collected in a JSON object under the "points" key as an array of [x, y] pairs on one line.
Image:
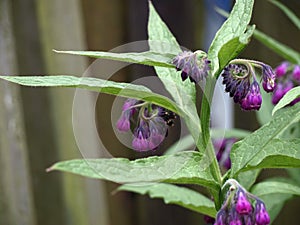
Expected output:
{"points": [[281, 69], [222, 149], [238, 207], [253, 99], [288, 77], [261, 215], [296, 73], [268, 77], [243, 206], [194, 65], [281, 90], [239, 78], [151, 124]]}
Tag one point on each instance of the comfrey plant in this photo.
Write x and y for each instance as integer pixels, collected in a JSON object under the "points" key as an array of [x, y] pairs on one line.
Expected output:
{"points": [[151, 127], [228, 173], [288, 76]]}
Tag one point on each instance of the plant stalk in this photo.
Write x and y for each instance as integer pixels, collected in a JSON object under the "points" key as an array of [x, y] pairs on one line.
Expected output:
{"points": [[205, 126]]}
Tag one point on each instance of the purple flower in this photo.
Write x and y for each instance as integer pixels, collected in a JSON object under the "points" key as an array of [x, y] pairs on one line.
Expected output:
{"points": [[253, 99], [222, 149], [123, 123], [268, 77], [158, 131], [281, 90], [140, 141], [289, 77], [243, 206], [194, 65], [282, 69], [261, 215], [235, 82], [237, 208], [239, 78], [296, 73], [151, 124], [221, 218]]}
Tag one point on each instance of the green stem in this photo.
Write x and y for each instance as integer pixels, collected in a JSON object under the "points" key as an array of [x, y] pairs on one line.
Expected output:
{"points": [[206, 142]]}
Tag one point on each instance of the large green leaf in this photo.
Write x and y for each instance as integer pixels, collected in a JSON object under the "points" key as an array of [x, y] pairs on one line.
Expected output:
{"points": [[291, 15], [231, 35], [263, 148], [234, 47], [145, 58], [294, 174], [279, 48], [248, 178], [95, 84], [287, 98], [278, 153], [275, 187], [184, 167], [184, 93], [275, 193], [172, 194]]}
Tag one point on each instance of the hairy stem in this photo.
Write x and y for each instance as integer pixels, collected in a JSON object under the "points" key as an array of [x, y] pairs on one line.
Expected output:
{"points": [[206, 142]]}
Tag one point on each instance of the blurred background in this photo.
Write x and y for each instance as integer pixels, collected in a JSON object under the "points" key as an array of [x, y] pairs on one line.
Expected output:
{"points": [[36, 123]]}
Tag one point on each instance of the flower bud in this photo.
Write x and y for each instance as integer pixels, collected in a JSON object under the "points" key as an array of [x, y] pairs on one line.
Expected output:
{"points": [[194, 65], [281, 69]]}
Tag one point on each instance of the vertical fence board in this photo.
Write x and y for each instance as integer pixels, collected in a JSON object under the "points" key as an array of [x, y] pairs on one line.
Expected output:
{"points": [[47, 187], [60, 27], [16, 203]]}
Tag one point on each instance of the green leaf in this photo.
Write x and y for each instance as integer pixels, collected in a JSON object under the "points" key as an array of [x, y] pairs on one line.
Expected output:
{"points": [[291, 15], [234, 27], [294, 174], [230, 133], [263, 149], [279, 48], [95, 84], [184, 93], [172, 194], [181, 168], [277, 154], [290, 96], [283, 50], [275, 193], [264, 114], [145, 58], [234, 47], [275, 187], [248, 178], [188, 142]]}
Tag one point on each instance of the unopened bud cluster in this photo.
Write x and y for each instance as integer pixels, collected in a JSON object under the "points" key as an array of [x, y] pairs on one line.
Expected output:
{"points": [[194, 65], [288, 76], [150, 123], [240, 80], [241, 208]]}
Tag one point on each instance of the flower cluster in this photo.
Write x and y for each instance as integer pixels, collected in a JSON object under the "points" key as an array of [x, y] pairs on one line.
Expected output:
{"points": [[288, 76], [194, 65], [151, 126], [239, 208], [222, 149], [241, 82]]}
